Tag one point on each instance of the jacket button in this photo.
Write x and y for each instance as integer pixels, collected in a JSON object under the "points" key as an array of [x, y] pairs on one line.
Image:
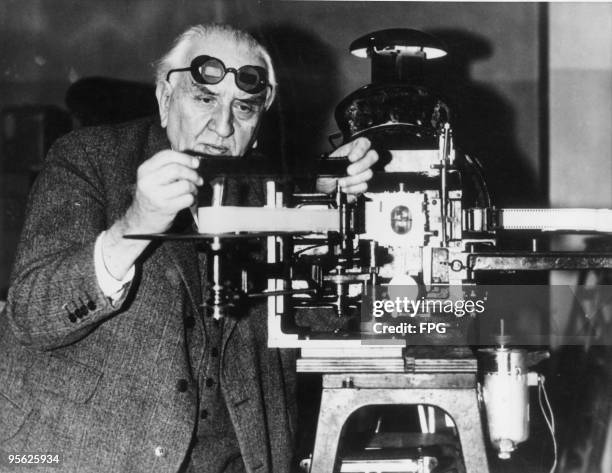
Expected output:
{"points": [[160, 452], [173, 277], [214, 351], [71, 315], [182, 385], [209, 382]]}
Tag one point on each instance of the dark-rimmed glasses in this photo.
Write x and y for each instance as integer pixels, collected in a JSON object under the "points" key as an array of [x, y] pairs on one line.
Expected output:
{"points": [[210, 70]]}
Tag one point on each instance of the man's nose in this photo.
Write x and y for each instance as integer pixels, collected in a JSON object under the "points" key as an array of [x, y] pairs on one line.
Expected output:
{"points": [[221, 121]]}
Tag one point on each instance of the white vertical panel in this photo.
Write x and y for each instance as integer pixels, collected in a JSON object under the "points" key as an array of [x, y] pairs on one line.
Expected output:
{"points": [[580, 131], [580, 104]]}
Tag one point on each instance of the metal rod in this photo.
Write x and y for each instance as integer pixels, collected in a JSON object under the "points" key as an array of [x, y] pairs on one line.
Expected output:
{"points": [[217, 287], [507, 261], [444, 151]]}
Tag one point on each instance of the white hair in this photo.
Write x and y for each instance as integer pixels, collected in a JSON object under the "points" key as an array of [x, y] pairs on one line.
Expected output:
{"points": [[176, 56]]}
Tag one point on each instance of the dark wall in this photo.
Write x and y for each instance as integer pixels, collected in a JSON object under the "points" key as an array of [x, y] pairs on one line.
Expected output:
{"points": [[47, 45]]}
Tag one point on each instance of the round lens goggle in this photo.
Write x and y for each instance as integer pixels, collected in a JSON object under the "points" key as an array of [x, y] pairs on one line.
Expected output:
{"points": [[210, 70]]}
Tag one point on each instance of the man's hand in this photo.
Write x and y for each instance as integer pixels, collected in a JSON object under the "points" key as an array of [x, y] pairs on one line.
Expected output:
{"points": [[165, 184], [359, 172]]}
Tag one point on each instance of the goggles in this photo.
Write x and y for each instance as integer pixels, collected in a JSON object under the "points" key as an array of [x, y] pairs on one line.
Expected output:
{"points": [[210, 70]]}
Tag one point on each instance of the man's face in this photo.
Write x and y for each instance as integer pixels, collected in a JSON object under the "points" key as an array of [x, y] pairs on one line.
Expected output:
{"points": [[217, 119]]}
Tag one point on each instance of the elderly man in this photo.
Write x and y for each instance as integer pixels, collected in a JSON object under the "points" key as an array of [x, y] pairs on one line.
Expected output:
{"points": [[107, 359]]}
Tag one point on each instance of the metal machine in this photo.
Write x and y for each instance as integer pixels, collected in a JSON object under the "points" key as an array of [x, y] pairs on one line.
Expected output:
{"points": [[386, 295], [331, 265]]}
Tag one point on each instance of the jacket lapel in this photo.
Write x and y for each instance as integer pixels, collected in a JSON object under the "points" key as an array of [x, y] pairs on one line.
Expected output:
{"points": [[243, 392], [240, 367], [181, 254]]}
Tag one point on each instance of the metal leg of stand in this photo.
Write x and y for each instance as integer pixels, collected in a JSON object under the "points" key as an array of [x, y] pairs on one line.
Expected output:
{"points": [[338, 403]]}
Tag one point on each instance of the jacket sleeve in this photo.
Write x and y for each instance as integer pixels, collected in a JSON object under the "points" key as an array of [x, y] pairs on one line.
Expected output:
{"points": [[54, 298]]}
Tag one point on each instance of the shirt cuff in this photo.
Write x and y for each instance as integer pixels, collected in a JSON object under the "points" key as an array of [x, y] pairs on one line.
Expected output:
{"points": [[111, 287]]}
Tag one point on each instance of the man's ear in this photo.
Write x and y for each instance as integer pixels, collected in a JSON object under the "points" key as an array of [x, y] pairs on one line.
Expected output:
{"points": [[270, 98], [163, 92]]}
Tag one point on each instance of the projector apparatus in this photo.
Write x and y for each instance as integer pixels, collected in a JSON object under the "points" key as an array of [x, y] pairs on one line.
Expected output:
{"points": [[389, 296]]}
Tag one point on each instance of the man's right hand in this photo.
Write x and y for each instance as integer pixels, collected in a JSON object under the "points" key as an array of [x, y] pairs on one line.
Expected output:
{"points": [[166, 183]]}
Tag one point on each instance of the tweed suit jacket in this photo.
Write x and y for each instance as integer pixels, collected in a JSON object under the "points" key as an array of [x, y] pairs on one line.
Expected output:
{"points": [[97, 382]]}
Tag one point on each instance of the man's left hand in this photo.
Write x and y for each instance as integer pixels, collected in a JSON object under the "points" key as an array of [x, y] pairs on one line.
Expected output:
{"points": [[362, 157]]}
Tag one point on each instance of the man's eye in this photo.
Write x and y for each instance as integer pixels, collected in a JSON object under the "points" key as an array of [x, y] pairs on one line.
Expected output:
{"points": [[246, 110], [205, 99]]}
